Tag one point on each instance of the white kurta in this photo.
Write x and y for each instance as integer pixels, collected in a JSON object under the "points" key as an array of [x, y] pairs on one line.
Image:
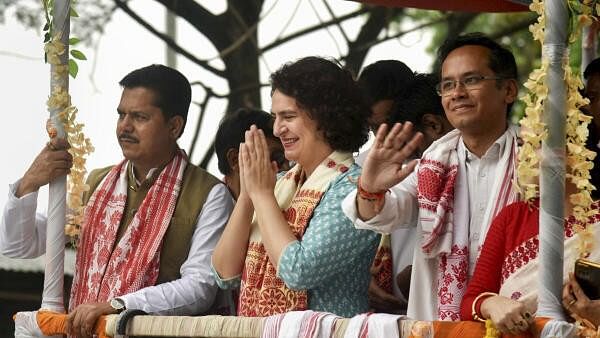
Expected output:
{"points": [[402, 244], [23, 235]]}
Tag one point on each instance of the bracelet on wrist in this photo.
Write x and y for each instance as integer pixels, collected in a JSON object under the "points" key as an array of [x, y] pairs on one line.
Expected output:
{"points": [[479, 297], [370, 196]]}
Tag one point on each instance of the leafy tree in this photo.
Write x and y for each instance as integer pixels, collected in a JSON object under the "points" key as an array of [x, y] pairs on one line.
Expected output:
{"points": [[233, 33]]}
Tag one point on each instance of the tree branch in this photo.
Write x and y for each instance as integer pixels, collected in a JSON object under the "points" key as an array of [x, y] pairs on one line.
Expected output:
{"points": [[202, 108], [311, 29], [399, 34], [378, 19], [168, 40], [338, 24], [202, 20], [513, 28]]}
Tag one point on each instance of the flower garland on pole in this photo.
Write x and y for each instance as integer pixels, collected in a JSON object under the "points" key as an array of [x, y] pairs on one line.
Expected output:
{"points": [[534, 131], [64, 210], [579, 158], [60, 101]]}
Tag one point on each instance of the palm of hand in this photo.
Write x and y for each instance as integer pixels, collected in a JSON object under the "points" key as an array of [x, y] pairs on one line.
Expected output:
{"points": [[382, 169]]}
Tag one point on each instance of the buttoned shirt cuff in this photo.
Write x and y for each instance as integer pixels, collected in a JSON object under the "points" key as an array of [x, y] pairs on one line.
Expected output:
{"points": [[130, 301], [382, 223]]}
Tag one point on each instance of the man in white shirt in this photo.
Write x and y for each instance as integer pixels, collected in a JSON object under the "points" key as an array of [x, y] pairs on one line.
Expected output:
{"points": [[166, 215], [461, 182]]}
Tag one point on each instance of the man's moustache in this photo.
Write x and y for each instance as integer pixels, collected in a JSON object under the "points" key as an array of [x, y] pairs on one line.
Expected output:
{"points": [[126, 137]]}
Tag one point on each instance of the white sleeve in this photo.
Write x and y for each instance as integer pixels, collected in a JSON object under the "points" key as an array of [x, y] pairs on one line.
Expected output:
{"points": [[195, 291], [400, 209], [22, 230]]}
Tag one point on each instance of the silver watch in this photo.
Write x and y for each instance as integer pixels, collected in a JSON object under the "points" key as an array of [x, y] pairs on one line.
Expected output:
{"points": [[117, 304]]}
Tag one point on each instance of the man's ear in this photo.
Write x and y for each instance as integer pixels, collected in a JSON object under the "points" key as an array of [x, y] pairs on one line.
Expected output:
{"points": [[512, 90], [232, 159], [175, 126]]}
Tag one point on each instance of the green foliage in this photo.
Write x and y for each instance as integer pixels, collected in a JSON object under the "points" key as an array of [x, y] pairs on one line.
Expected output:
{"points": [[49, 35], [73, 68], [78, 54]]}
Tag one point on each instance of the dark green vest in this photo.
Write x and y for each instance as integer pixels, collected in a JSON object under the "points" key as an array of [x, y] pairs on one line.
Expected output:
{"points": [[196, 185]]}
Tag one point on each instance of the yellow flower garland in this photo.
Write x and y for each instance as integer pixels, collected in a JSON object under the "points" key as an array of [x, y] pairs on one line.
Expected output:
{"points": [[579, 158], [81, 146]]}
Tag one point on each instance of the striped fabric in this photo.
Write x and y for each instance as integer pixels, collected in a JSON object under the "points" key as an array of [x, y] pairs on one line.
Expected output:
{"points": [[105, 270]]}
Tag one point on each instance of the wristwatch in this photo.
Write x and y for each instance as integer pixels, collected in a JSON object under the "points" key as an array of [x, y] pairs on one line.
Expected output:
{"points": [[117, 304]]}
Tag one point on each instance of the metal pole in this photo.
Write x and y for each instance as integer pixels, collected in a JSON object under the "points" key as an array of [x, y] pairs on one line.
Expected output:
{"points": [[52, 297], [171, 24], [552, 166]]}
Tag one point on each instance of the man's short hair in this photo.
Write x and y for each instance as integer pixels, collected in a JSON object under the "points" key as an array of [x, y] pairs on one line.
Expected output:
{"points": [[384, 80], [501, 61], [232, 129], [420, 98], [592, 68], [172, 89]]}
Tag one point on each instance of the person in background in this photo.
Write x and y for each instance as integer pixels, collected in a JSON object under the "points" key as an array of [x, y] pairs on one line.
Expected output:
{"points": [[230, 134], [287, 242], [381, 83], [420, 105], [592, 92], [575, 301], [153, 253]]}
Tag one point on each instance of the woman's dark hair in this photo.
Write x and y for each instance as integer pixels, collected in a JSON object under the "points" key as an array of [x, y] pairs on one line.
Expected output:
{"points": [[232, 129], [330, 96]]}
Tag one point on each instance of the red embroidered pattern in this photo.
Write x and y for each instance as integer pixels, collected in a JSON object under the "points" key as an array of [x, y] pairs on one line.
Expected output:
{"points": [[262, 293], [452, 284], [106, 269], [528, 250], [385, 276], [436, 185]]}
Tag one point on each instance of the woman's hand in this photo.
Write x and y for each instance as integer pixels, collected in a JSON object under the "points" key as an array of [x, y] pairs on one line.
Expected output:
{"points": [[509, 316], [257, 171], [578, 304]]}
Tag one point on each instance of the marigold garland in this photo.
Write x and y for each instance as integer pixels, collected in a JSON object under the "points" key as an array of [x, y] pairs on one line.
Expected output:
{"points": [[490, 330]]}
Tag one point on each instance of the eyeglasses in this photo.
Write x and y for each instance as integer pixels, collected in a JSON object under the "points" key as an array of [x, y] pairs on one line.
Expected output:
{"points": [[470, 82]]}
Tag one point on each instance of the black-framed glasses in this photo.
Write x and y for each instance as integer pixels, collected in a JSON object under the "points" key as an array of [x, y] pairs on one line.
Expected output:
{"points": [[470, 82]]}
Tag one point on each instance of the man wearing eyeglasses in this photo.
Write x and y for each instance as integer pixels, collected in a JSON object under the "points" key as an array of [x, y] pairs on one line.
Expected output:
{"points": [[461, 182]]}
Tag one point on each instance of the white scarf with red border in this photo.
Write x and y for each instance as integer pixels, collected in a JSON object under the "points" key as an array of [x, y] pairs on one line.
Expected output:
{"points": [[105, 270], [520, 267], [445, 234]]}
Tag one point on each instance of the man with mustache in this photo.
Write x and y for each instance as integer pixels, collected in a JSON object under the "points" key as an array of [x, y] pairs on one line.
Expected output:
{"points": [[461, 182], [151, 222]]}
